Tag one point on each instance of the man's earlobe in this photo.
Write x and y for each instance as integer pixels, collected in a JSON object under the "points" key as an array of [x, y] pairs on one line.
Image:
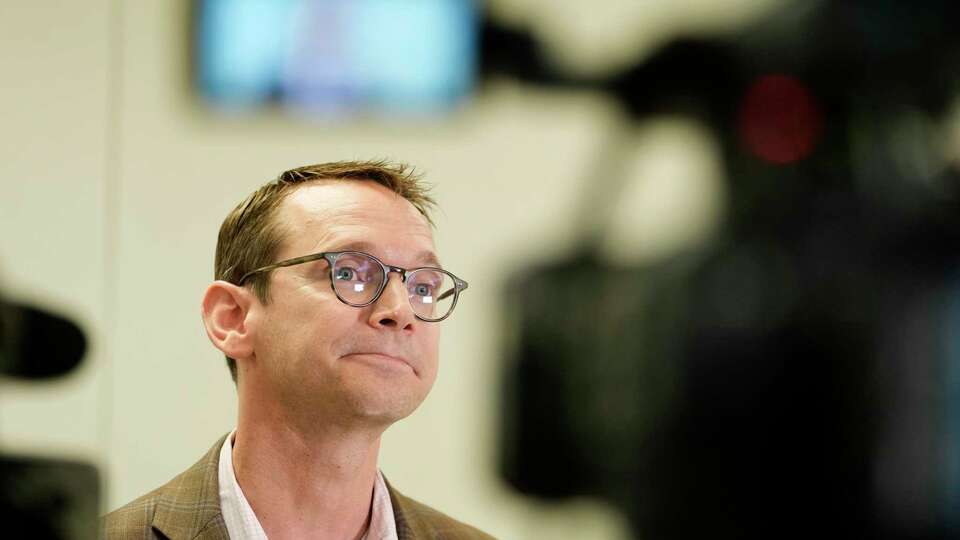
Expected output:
{"points": [[225, 311]]}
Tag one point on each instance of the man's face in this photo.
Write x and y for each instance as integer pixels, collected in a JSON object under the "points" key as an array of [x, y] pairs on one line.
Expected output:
{"points": [[320, 359]]}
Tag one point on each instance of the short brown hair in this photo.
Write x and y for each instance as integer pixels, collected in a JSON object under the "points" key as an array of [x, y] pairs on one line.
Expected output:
{"points": [[251, 235]]}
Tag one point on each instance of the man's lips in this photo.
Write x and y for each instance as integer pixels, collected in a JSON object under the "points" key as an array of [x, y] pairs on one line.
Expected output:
{"points": [[384, 356]]}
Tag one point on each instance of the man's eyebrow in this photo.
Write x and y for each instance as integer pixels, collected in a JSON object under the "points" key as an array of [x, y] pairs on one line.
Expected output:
{"points": [[425, 257]]}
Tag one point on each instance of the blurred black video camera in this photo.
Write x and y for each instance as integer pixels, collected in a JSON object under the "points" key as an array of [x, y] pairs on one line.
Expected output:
{"points": [[44, 497]]}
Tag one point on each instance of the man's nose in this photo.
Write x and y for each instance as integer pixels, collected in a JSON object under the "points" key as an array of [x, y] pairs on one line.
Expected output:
{"points": [[392, 309]]}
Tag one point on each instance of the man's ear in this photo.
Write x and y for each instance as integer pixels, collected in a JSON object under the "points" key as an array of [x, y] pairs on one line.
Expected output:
{"points": [[226, 310]]}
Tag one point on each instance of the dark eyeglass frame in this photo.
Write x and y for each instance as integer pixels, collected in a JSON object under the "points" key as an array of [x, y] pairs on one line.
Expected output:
{"points": [[331, 258]]}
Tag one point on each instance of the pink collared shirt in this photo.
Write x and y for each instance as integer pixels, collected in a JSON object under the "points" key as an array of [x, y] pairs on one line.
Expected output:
{"points": [[242, 523]]}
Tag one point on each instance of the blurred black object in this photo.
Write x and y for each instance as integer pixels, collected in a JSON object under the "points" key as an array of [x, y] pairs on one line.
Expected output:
{"points": [[49, 498], [791, 378], [37, 344], [44, 497]]}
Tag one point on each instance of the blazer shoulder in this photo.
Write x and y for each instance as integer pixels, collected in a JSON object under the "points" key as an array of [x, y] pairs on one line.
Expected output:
{"points": [[432, 523], [132, 520], [185, 506]]}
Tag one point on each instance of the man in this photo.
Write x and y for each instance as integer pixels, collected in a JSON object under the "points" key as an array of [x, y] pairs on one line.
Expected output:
{"points": [[327, 306]]}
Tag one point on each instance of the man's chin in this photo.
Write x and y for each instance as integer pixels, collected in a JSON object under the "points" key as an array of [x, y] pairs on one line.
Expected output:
{"points": [[383, 407]]}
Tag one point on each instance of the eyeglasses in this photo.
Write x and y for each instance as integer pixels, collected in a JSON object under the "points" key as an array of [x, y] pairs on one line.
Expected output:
{"points": [[358, 279]]}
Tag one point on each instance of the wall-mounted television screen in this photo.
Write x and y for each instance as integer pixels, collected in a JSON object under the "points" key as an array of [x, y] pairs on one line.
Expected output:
{"points": [[336, 57]]}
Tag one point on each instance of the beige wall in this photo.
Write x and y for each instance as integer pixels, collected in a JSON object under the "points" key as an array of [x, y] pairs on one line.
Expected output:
{"points": [[115, 180], [54, 250]]}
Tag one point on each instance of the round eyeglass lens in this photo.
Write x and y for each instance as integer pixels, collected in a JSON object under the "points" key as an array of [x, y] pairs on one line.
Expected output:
{"points": [[356, 278], [431, 292]]}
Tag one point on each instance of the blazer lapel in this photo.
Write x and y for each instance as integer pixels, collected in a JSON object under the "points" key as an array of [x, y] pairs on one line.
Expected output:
{"points": [[189, 506], [410, 526]]}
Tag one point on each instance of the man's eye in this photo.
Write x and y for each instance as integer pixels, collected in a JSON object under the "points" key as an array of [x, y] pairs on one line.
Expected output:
{"points": [[423, 289], [346, 274]]}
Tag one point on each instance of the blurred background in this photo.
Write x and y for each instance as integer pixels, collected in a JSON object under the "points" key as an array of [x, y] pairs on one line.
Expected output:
{"points": [[711, 245]]}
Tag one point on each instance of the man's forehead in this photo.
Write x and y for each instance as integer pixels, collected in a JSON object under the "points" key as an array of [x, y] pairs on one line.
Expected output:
{"points": [[320, 198], [349, 214]]}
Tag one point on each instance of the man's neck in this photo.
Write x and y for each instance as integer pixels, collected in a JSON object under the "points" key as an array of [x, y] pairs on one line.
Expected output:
{"points": [[316, 485]]}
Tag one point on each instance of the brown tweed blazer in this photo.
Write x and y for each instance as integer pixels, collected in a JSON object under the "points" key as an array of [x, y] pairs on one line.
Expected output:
{"points": [[188, 507]]}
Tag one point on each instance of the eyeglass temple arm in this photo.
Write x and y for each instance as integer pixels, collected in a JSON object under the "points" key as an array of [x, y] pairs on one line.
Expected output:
{"points": [[458, 286], [281, 264]]}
